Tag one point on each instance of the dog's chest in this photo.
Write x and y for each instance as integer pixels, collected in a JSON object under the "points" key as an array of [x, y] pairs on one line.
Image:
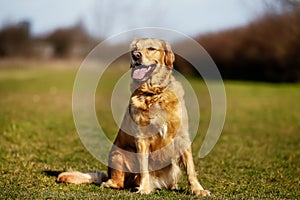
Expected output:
{"points": [[155, 113]]}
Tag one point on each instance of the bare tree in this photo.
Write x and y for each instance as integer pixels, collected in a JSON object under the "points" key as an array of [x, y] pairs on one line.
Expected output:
{"points": [[280, 6]]}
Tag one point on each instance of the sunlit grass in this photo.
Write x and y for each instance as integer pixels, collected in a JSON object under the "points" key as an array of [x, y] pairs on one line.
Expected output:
{"points": [[257, 155]]}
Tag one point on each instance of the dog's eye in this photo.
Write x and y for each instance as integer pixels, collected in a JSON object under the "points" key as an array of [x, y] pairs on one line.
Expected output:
{"points": [[151, 49]]}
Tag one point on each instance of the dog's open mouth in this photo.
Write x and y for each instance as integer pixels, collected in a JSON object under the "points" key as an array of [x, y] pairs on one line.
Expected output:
{"points": [[142, 72]]}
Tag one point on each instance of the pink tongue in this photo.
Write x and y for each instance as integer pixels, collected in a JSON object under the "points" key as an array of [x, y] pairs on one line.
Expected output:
{"points": [[139, 73]]}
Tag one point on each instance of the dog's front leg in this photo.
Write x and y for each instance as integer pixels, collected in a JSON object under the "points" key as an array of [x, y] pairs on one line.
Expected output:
{"points": [[187, 160], [143, 157]]}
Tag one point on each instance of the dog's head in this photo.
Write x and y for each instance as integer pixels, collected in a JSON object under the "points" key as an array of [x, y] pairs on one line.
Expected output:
{"points": [[148, 56]]}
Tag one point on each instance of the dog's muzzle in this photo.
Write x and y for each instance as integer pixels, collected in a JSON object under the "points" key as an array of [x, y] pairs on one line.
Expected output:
{"points": [[142, 72]]}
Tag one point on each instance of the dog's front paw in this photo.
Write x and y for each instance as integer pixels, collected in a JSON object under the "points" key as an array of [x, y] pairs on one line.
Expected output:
{"points": [[143, 190], [110, 184], [202, 193]]}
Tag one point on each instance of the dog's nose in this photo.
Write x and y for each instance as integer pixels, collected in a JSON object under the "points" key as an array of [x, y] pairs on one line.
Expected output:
{"points": [[136, 55]]}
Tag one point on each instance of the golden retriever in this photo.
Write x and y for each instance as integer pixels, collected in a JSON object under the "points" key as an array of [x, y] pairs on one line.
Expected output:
{"points": [[153, 139]]}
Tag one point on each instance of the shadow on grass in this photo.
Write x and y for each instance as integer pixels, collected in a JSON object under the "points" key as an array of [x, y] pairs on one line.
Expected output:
{"points": [[52, 173]]}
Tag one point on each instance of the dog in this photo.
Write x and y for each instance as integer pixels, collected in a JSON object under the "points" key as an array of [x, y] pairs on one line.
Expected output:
{"points": [[153, 139]]}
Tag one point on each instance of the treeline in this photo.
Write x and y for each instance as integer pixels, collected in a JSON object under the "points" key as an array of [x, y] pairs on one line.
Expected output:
{"points": [[267, 49], [16, 40]]}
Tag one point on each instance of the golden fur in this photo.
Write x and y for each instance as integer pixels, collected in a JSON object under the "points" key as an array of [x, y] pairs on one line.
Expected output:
{"points": [[153, 139]]}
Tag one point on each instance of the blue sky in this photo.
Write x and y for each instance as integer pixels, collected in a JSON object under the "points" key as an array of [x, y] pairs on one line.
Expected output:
{"points": [[108, 17]]}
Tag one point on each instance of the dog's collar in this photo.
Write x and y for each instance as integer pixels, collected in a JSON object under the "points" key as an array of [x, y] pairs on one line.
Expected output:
{"points": [[149, 89]]}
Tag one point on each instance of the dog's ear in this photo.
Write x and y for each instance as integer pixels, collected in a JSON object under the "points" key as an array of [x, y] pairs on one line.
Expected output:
{"points": [[169, 55]]}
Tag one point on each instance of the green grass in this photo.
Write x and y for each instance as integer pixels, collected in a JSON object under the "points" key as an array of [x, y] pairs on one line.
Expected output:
{"points": [[257, 156]]}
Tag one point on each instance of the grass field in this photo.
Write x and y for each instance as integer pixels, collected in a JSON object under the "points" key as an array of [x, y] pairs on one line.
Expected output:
{"points": [[257, 156]]}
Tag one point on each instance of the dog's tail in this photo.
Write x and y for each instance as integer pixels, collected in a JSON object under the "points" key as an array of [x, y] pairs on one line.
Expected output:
{"points": [[76, 177]]}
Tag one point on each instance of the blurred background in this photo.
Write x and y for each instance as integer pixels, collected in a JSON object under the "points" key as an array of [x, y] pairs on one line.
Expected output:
{"points": [[248, 40]]}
